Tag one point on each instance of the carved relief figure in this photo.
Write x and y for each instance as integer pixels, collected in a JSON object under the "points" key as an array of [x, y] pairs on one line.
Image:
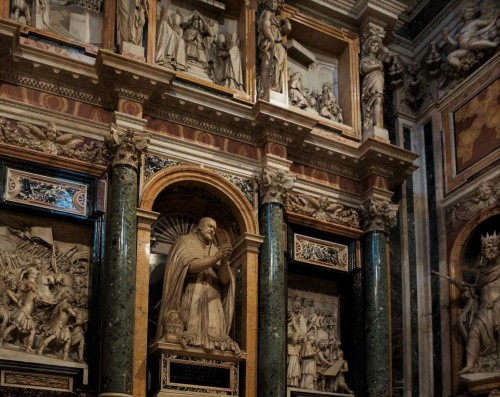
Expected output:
{"points": [[130, 20], [22, 319], [170, 45], [308, 367], [297, 93], [327, 104], [372, 92], [194, 36], [233, 73], [20, 12], [482, 336], [273, 30], [199, 286], [473, 36], [487, 194], [58, 330]]}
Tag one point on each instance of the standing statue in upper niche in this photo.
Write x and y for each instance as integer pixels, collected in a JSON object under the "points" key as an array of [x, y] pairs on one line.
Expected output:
{"points": [[130, 20], [272, 32], [372, 92], [199, 288], [298, 95], [480, 321], [475, 35]]}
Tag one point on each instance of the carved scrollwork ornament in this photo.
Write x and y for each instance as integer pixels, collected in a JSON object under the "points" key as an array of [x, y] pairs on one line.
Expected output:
{"points": [[126, 146], [274, 186], [378, 215]]}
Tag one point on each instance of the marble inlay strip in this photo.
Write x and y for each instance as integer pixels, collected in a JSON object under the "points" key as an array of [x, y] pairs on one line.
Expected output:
{"points": [[36, 381], [412, 263], [321, 252], [46, 192], [434, 256]]}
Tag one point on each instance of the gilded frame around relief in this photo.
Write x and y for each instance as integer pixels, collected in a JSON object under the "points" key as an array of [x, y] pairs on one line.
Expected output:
{"points": [[471, 127]]}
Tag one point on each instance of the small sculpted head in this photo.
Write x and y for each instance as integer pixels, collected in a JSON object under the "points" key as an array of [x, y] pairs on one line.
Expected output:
{"points": [[206, 229]]}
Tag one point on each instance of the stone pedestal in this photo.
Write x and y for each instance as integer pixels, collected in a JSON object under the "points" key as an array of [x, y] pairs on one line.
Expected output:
{"points": [[480, 383], [378, 133], [132, 51], [192, 371]]}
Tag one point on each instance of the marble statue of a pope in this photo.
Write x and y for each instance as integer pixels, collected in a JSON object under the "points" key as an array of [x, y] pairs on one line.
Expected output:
{"points": [[198, 289]]}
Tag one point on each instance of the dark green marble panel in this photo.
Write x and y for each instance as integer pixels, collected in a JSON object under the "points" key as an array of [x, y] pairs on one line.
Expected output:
{"points": [[119, 282], [272, 304]]}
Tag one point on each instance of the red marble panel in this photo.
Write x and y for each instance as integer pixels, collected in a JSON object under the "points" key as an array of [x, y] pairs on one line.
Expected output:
{"points": [[327, 178], [204, 138], [477, 127], [55, 102]]}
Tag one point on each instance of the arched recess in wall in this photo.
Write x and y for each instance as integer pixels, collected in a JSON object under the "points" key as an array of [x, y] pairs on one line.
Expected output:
{"points": [[187, 193], [471, 230]]}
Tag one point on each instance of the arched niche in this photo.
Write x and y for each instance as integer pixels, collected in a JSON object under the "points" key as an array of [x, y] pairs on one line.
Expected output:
{"points": [[463, 262], [195, 192]]}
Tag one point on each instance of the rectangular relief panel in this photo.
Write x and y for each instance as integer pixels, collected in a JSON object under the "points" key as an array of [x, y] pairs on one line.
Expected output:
{"points": [[321, 252], [46, 266], [28, 380], [46, 192]]}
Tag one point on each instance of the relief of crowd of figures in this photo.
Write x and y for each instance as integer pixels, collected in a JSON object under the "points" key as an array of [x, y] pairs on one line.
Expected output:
{"points": [[44, 288], [199, 45], [315, 358]]}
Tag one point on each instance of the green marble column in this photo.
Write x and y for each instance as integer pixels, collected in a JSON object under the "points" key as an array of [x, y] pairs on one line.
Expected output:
{"points": [[272, 304], [378, 219], [376, 300], [117, 348], [272, 365]]}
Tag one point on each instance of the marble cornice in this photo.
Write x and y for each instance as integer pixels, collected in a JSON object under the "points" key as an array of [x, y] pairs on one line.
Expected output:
{"points": [[380, 158]]}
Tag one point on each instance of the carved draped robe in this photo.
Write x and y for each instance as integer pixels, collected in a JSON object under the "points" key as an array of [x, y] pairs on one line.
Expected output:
{"points": [[205, 305]]}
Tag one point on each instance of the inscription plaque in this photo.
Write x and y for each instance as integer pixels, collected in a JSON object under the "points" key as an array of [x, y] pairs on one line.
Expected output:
{"points": [[200, 375]]}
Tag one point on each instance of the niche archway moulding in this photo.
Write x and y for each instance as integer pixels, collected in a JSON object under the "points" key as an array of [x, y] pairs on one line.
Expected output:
{"points": [[245, 254]]}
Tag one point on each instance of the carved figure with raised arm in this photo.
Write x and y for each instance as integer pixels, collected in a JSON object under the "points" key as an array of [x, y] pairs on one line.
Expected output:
{"points": [[482, 324], [372, 91], [194, 36], [273, 29], [199, 286], [472, 36], [22, 318], [57, 330]]}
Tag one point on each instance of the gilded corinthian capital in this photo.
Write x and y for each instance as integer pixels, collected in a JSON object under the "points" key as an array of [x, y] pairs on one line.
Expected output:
{"points": [[274, 185], [378, 215], [126, 146]]}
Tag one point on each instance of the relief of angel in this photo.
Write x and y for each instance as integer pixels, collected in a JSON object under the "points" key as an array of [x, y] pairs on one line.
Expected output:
{"points": [[48, 139], [319, 208]]}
